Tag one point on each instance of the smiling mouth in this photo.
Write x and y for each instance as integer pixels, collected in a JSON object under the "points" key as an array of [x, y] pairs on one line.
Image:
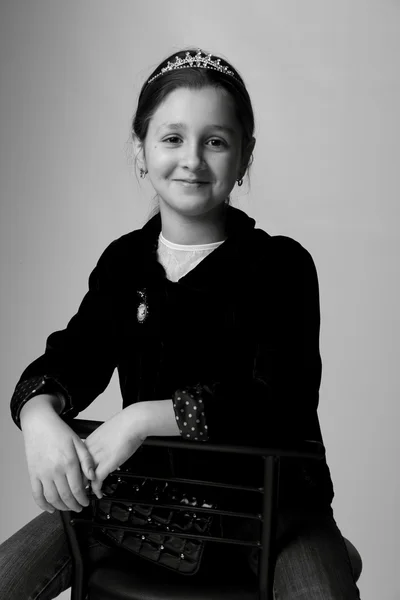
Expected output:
{"points": [[191, 182]]}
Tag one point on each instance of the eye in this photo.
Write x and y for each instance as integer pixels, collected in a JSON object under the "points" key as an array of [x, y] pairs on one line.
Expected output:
{"points": [[172, 139], [217, 143]]}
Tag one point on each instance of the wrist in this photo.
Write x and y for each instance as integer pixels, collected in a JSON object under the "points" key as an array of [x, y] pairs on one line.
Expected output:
{"points": [[40, 405], [155, 418], [137, 418]]}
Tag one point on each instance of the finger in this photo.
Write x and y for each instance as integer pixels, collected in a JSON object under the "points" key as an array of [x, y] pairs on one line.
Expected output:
{"points": [[66, 496], [85, 458], [52, 495], [76, 484], [96, 488], [38, 496], [101, 473]]}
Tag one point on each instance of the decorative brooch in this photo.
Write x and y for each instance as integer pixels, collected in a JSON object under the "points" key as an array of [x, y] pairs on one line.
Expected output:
{"points": [[143, 308]]}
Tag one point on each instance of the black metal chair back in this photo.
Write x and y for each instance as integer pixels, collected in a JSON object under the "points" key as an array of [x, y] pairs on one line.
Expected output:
{"points": [[78, 524]]}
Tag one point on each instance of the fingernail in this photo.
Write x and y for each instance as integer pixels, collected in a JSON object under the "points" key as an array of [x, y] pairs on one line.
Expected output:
{"points": [[91, 473]]}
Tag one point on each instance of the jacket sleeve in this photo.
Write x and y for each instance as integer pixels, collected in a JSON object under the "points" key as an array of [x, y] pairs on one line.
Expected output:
{"points": [[79, 360], [279, 400]]}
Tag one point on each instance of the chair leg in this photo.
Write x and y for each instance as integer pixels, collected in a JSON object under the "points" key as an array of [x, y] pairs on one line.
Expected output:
{"points": [[78, 579], [267, 558]]}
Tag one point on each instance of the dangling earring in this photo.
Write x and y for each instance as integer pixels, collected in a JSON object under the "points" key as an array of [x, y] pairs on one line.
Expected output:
{"points": [[142, 173], [240, 181]]}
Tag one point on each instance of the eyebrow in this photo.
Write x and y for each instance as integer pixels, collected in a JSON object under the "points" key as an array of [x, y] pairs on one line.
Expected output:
{"points": [[183, 126]]}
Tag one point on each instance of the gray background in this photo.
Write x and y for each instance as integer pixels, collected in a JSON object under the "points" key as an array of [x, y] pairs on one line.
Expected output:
{"points": [[324, 79]]}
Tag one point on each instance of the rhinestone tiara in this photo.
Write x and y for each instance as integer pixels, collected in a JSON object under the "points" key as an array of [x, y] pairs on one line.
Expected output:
{"points": [[199, 60]]}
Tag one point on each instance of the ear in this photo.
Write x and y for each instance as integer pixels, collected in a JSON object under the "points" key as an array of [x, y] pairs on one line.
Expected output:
{"points": [[138, 153], [246, 157]]}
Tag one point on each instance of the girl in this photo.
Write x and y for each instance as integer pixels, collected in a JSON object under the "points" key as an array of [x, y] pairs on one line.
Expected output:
{"points": [[213, 326]]}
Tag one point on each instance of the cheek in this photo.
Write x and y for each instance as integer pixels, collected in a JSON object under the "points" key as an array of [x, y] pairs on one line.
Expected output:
{"points": [[228, 169], [159, 161]]}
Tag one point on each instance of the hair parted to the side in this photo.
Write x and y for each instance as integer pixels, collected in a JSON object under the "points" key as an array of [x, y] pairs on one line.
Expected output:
{"points": [[152, 94]]}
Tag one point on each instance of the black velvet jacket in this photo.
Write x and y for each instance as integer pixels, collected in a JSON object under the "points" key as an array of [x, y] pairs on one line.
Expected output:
{"points": [[241, 328]]}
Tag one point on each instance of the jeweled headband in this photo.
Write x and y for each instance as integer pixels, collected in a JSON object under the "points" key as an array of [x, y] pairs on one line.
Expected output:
{"points": [[200, 60]]}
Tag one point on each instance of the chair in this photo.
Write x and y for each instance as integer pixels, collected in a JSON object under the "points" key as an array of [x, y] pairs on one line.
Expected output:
{"points": [[109, 578]]}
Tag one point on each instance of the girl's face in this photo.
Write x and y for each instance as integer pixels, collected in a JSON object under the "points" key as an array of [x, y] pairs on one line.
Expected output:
{"points": [[192, 150]]}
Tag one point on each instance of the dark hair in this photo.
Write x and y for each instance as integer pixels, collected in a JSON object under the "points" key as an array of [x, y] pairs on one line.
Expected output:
{"points": [[152, 94]]}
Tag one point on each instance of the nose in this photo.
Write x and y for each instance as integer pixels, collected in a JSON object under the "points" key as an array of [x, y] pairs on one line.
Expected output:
{"points": [[193, 158]]}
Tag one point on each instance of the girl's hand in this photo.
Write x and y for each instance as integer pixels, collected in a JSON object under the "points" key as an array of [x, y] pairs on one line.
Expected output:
{"points": [[59, 463], [113, 442]]}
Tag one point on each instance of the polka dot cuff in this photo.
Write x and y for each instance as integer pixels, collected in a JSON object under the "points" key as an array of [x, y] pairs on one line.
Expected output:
{"points": [[189, 413], [33, 386]]}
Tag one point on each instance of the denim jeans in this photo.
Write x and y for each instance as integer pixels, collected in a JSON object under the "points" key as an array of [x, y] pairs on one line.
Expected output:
{"points": [[312, 560]]}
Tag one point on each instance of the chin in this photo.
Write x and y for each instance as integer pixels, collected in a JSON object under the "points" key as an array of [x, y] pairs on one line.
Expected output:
{"points": [[191, 205], [199, 210]]}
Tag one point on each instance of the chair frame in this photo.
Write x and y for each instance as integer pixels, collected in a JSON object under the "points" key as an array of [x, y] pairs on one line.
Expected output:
{"points": [[271, 469]]}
